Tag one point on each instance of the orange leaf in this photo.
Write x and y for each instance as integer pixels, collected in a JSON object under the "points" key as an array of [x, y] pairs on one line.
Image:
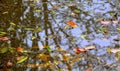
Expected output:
{"points": [[105, 22], [71, 23], [89, 69], [19, 49], [55, 6]]}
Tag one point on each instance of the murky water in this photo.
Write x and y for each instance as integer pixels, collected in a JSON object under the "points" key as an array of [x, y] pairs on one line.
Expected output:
{"points": [[36, 24]]}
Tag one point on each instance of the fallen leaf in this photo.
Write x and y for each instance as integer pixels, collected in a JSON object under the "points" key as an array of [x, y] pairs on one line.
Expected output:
{"points": [[9, 63], [23, 59], [105, 22], [115, 50], [4, 38], [19, 49], [55, 6], [115, 21], [89, 69], [71, 23], [3, 50], [105, 31], [12, 23], [117, 39], [78, 50], [108, 50], [89, 47], [73, 14], [118, 29]]}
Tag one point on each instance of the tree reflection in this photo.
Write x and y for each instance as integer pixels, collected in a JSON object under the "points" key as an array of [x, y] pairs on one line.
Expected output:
{"points": [[40, 28]]}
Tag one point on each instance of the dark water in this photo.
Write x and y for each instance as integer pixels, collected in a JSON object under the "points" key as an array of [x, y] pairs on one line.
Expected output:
{"points": [[39, 27]]}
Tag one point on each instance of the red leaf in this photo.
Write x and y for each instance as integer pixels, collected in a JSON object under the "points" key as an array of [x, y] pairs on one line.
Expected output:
{"points": [[71, 23], [79, 50]]}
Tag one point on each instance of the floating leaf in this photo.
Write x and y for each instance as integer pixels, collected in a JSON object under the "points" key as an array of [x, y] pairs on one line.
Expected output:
{"points": [[38, 11], [3, 33], [118, 29], [73, 14], [11, 49], [71, 23], [83, 36], [5, 12], [117, 39], [49, 49], [29, 29], [105, 22], [89, 69], [115, 21], [4, 38], [9, 63], [12, 23], [115, 50], [117, 56], [33, 37], [38, 30], [108, 50], [77, 11], [22, 60], [55, 6], [3, 50], [19, 49], [99, 19], [78, 50], [11, 29], [89, 47], [53, 11]]}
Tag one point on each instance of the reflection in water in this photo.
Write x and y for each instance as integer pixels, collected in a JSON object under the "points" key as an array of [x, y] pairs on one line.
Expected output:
{"points": [[41, 30]]}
